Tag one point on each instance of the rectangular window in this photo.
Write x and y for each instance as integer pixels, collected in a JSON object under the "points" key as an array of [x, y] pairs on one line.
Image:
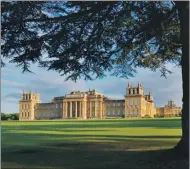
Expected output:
{"points": [[61, 105], [134, 102], [56, 106], [113, 104]]}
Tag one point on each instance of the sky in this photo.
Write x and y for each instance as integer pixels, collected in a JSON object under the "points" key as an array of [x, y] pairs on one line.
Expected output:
{"points": [[50, 84]]}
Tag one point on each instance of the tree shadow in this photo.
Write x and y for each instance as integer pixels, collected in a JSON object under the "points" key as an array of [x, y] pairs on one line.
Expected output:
{"points": [[86, 155], [76, 150]]}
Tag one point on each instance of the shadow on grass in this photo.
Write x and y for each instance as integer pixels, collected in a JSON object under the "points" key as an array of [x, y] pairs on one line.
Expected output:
{"points": [[78, 134], [91, 156]]}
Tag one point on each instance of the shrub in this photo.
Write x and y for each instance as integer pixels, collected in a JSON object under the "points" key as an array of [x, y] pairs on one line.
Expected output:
{"points": [[146, 116]]}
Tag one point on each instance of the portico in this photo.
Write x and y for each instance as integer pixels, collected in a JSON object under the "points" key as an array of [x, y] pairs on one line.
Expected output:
{"points": [[83, 105], [73, 108]]}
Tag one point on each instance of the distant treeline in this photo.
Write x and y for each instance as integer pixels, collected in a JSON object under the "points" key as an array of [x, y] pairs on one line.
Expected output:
{"points": [[12, 116]]}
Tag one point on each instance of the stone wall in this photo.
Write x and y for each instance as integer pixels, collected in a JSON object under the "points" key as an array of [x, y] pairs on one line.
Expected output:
{"points": [[48, 111]]}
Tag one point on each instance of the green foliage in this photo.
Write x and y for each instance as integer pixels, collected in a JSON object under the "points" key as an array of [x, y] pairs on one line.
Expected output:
{"points": [[158, 115], [87, 39], [146, 116], [13, 116]]}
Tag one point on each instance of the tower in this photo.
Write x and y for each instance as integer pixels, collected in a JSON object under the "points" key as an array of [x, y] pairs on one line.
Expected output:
{"points": [[135, 90], [134, 101], [26, 105]]}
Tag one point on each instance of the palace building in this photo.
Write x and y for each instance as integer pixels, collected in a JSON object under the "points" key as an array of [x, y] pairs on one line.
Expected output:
{"points": [[169, 110], [87, 105]]}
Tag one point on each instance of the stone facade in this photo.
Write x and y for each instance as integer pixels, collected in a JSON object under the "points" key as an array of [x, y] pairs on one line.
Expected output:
{"points": [[169, 110], [114, 108], [90, 104], [137, 104]]}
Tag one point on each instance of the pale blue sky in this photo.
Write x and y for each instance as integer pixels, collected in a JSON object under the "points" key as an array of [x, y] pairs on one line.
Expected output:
{"points": [[50, 84]]}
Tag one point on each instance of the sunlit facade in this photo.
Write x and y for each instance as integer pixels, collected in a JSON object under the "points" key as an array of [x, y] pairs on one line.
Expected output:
{"points": [[89, 104]]}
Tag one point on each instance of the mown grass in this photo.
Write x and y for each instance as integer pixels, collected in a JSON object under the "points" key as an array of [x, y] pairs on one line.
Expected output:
{"points": [[72, 144]]}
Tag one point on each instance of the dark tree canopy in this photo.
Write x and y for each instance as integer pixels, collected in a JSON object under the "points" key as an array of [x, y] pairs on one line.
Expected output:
{"points": [[86, 39]]}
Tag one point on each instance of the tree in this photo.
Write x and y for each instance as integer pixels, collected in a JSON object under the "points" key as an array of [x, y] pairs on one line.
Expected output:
{"points": [[3, 116], [87, 39]]}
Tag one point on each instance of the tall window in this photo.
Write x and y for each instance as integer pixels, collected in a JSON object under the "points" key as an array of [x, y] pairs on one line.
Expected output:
{"points": [[61, 105], [56, 105], [135, 102]]}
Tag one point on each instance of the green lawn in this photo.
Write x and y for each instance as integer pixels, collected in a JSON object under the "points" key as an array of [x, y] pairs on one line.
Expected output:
{"points": [[74, 144]]}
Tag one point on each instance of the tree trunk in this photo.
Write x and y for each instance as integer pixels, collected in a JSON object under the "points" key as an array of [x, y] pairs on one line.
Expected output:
{"points": [[183, 9]]}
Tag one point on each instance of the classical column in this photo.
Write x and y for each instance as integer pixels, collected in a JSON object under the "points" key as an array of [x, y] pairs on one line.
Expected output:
{"points": [[95, 115], [84, 113], [80, 112], [101, 110], [66, 109], [70, 109], [81, 108], [76, 109], [90, 109]]}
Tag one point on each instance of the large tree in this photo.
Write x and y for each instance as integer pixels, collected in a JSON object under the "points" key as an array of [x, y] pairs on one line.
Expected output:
{"points": [[87, 39]]}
